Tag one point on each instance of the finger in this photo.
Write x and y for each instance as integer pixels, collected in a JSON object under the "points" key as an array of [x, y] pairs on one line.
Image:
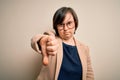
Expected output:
{"points": [[45, 55], [51, 48], [45, 60], [44, 52], [52, 53], [50, 38], [51, 43]]}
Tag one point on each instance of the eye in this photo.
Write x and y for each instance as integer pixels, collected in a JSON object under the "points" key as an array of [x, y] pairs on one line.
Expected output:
{"points": [[61, 25], [69, 23]]}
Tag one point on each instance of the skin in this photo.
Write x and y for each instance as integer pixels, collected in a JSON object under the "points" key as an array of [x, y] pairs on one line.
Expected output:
{"points": [[49, 44], [67, 34]]}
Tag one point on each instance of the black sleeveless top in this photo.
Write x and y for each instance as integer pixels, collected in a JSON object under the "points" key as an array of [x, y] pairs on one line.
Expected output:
{"points": [[71, 68]]}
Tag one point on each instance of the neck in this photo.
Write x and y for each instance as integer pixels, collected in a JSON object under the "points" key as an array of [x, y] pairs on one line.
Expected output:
{"points": [[69, 41]]}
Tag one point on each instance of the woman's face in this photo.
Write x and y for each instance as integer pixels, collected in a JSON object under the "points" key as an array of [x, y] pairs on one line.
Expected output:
{"points": [[67, 28]]}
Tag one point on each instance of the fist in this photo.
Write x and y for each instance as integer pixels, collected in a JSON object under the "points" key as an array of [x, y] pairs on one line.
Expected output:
{"points": [[49, 46]]}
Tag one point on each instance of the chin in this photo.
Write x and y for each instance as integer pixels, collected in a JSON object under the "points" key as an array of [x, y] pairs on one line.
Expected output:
{"points": [[67, 37]]}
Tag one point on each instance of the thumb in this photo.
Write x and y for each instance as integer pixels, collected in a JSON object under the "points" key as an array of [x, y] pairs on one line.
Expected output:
{"points": [[45, 60], [45, 55], [44, 52]]}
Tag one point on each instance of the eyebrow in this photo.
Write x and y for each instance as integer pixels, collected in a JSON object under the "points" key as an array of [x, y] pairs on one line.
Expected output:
{"points": [[69, 18]]}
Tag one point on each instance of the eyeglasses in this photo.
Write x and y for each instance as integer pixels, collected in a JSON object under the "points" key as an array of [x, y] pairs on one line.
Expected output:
{"points": [[68, 24]]}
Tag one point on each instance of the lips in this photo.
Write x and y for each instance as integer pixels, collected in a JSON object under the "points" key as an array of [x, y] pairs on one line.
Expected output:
{"points": [[66, 33]]}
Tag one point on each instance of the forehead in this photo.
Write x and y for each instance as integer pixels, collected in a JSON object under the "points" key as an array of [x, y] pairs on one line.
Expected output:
{"points": [[68, 17]]}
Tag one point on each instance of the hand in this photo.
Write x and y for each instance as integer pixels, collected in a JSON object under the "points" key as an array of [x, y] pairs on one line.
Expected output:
{"points": [[49, 46]]}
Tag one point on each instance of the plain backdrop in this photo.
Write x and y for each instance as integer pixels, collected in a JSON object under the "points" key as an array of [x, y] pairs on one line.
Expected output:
{"points": [[99, 28]]}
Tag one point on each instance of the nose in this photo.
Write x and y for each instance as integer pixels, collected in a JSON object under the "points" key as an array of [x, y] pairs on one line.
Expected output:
{"points": [[65, 27]]}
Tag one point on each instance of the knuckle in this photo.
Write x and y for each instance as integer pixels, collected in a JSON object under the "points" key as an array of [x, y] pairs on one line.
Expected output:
{"points": [[51, 42], [53, 49], [42, 41], [52, 53], [50, 48]]}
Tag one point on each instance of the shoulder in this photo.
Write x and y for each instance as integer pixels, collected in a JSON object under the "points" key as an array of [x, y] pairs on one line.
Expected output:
{"points": [[82, 46]]}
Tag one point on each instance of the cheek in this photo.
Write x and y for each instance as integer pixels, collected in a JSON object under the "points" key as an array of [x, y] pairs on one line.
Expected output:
{"points": [[60, 33], [73, 31]]}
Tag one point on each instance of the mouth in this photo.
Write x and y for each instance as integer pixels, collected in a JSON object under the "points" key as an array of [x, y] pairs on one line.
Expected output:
{"points": [[66, 33]]}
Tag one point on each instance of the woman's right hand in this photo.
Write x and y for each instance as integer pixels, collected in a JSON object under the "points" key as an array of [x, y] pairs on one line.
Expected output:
{"points": [[49, 46]]}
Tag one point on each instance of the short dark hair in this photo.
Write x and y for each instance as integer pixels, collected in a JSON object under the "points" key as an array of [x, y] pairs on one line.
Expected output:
{"points": [[59, 17]]}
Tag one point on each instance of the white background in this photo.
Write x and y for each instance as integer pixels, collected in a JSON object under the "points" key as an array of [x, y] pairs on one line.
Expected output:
{"points": [[99, 28]]}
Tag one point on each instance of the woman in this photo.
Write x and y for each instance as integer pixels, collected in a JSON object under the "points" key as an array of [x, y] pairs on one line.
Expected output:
{"points": [[64, 58]]}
